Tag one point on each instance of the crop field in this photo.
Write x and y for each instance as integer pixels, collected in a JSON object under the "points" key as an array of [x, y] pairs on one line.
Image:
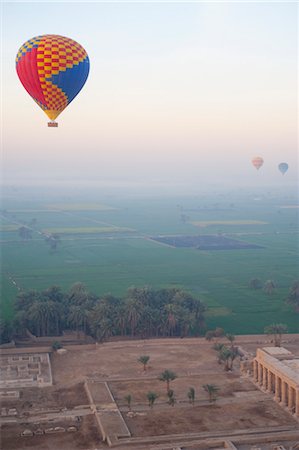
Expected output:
{"points": [[205, 242], [227, 222], [109, 246], [85, 230]]}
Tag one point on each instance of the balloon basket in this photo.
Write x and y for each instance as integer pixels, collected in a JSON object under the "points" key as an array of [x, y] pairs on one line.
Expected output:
{"points": [[53, 124]]}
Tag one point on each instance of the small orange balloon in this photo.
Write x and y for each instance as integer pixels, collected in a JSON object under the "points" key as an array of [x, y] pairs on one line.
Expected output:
{"points": [[257, 162]]}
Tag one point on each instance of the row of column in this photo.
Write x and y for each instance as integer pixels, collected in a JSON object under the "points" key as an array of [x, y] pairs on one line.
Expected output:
{"points": [[283, 392]]}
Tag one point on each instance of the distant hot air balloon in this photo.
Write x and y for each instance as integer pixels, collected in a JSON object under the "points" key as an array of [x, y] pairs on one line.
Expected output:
{"points": [[283, 167], [53, 69], [257, 161]]}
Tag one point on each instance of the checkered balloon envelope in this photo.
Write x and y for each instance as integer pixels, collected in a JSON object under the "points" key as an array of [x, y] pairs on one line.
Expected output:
{"points": [[53, 69]]}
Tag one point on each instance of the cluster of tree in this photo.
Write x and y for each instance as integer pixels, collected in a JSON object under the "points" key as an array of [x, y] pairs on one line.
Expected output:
{"points": [[143, 312], [276, 330], [270, 286], [217, 333], [6, 331], [225, 354], [52, 239], [26, 229], [25, 233]]}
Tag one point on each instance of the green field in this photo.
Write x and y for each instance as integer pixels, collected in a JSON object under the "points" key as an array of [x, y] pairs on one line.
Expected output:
{"points": [[227, 222], [86, 230], [109, 249]]}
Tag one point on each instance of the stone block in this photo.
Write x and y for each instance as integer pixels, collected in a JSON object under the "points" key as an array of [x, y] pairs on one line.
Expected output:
{"points": [[59, 430], [61, 351], [38, 432], [27, 432]]}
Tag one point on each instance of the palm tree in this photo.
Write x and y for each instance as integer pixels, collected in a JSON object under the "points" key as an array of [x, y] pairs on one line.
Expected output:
{"points": [[255, 283], [171, 397], [25, 233], [225, 355], [191, 395], [42, 314], [77, 318], [231, 339], [6, 331], [234, 352], [78, 294], [53, 293], [218, 347], [209, 335], [120, 319], [167, 376], [218, 332], [151, 396], [212, 390], [133, 313], [277, 330], [25, 299], [144, 359], [172, 320], [191, 313], [101, 326], [269, 287], [293, 296], [53, 240], [128, 399]]}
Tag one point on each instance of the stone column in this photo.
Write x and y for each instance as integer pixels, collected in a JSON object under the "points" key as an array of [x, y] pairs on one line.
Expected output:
{"points": [[265, 377], [255, 374], [277, 388], [283, 392], [297, 403], [260, 373], [269, 389], [291, 399]]}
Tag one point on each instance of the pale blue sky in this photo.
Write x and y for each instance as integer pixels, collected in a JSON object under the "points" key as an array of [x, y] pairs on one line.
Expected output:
{"points": [[175, 90]]}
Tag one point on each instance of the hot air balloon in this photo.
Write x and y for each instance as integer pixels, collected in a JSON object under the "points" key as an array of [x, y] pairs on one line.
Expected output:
{"points": [[257, 161], [283, 167], [53, 69]]}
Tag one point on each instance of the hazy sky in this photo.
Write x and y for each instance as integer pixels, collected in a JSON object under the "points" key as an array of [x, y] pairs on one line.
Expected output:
{"points": [[176, 91]]}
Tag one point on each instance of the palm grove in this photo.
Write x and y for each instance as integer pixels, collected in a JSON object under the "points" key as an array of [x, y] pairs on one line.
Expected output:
{"points": [[142, 312]]}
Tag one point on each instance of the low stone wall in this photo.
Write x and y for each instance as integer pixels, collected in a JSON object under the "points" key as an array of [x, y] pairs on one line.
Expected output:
{"points": [[24, 369], [108, 417]]}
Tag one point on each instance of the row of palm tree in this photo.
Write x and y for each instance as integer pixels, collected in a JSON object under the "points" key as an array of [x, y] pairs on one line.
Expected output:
{"points": [[210, 389], [143, 312]]}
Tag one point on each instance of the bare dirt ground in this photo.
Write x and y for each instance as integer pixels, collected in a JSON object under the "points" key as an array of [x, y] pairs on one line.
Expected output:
{"points": [[117, 360], [239, 406], [86, 437]]}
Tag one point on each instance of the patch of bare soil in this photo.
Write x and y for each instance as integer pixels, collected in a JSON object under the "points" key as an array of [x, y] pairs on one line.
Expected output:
{"points": [[120, 360], [214, 417], [49, 397], [86, 436]]}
